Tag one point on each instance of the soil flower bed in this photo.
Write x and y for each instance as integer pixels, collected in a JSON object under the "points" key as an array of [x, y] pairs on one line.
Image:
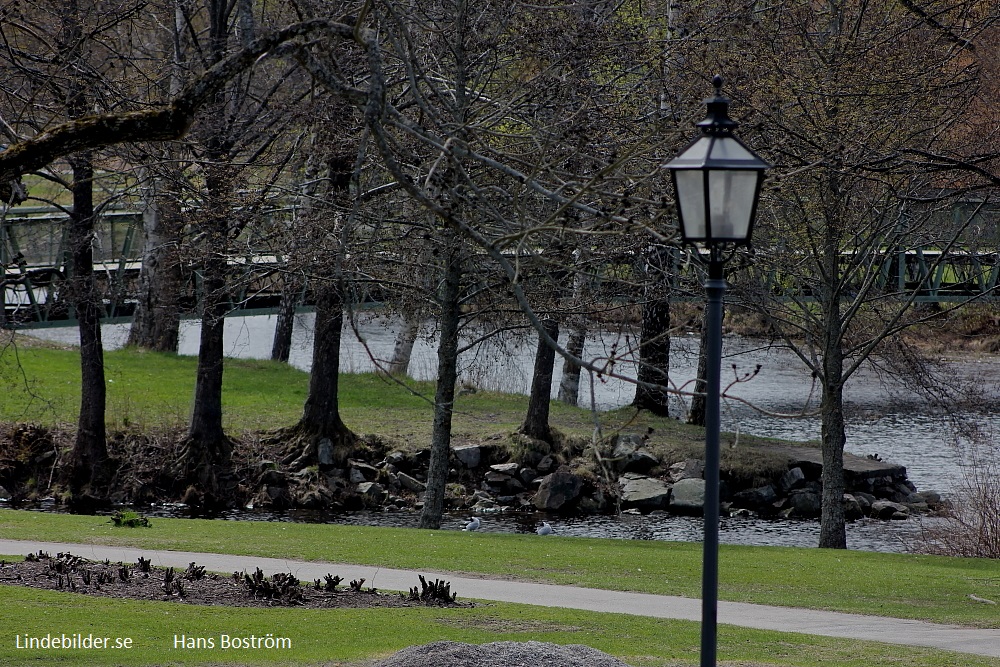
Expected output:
{"points": [[142, 581]]}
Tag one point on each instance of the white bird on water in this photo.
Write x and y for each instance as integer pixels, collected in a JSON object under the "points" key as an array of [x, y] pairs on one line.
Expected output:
{"points": [[473, 524], [544, 529]]}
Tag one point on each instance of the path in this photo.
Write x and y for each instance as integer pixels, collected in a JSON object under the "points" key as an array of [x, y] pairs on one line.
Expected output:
{"points": [[762, 617]]}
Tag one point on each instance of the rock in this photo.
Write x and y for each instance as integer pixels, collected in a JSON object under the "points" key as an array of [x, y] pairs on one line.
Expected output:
{"points": [[484, 504], [852, 508], [644, 493], [273, 478], [689, 469], [494, 478], [620, 454], [865, 500], [688, 496], [546, 465], [324, 452], [273, 497], [932, 498], [595, 503], [509, 469], [641, 461], [756, 499], [410, 483], [362, 472], [558, 491], [396, 458], [372, 493], [313, 499], [805, 504], [792, 480], [625, 456], [417, 459], [886, 509], [503, 483], [468, 455], [527, 475]]}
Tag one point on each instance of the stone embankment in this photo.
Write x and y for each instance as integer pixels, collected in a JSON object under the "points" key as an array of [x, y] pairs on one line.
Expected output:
{"points": [[627, 476]]}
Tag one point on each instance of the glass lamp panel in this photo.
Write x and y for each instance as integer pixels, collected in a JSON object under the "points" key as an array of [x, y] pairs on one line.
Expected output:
{"points": [[731, 193], [690, 186], [729, 149]]}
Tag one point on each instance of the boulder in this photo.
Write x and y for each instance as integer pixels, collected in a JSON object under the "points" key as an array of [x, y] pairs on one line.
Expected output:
{"points": [[558, 491], [688, 496], [629, 455], [644, 493], [805, 504], [852, 508], [410, 483], [546, 465], [641, 461], [689, 469], [396, 458], [494, 478], [931, 498], [468, 455], [273, 478], [756, 499], [372, 493], [324, 452], [865, 500], [509, 469], [362, 472], [886, 509], [792, 480]]}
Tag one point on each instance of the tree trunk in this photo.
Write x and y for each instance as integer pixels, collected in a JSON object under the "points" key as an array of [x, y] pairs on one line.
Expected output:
{"points": [[696, 415], [536, 421], [654, 358], [444, 396], [833, 524], [89, 458], [569, 385], [654, 338], [204, 459], [324, 439], [402, 351], [156, 322], [291, 294]]}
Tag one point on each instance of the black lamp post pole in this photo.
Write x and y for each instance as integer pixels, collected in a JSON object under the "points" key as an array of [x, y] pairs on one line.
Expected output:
{"points": [[717, 179], [715, 288]]}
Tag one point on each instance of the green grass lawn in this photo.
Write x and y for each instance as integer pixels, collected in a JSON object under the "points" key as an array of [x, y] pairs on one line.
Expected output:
{"points": [[929, 588], [341, 636]]}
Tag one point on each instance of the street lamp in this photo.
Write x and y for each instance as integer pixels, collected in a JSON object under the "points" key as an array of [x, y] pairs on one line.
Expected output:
{"points": [[717, 180]]}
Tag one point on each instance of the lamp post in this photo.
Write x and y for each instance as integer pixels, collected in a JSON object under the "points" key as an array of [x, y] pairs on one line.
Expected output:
{"points": [[717, 180]]}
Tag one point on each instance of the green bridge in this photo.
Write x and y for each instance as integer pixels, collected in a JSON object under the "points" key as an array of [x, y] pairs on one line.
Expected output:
{"points": [[34, 258]]}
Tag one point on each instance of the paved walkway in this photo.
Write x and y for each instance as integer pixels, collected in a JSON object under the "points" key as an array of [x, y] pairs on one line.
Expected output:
{"points": [[782, 619]]}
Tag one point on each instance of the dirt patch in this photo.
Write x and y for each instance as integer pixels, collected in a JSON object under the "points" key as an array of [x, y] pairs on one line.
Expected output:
{"points": [[141, 581]]}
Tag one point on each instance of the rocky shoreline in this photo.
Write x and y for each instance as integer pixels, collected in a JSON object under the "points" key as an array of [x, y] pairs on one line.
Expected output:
{"points": [[502, 474], [628, 477]]}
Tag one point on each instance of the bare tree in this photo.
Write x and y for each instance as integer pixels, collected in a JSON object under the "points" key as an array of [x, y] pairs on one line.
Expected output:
{"points": [[851, 89]]}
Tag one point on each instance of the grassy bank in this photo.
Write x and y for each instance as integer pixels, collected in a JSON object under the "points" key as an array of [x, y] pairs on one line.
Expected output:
{"points": [[905, 586], [152, 391]]}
